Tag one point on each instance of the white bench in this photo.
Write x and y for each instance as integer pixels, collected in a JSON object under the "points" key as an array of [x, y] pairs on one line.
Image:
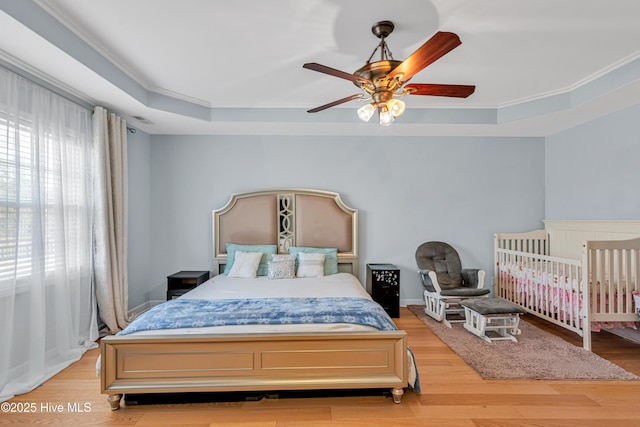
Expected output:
{"points": [[492, 319]]}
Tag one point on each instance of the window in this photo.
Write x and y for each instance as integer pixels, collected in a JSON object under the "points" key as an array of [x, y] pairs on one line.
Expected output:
{"points": [[43, 202]]}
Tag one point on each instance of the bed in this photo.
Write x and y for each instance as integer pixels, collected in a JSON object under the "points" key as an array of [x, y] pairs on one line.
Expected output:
{"points": [[581, 275], [313, 343]]}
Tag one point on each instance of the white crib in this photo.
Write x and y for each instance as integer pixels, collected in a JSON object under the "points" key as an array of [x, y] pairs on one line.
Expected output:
{"points": [[544, 272]]}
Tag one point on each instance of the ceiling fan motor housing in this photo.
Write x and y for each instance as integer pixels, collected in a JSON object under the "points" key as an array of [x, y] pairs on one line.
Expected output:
{"points": [[377, 72]]}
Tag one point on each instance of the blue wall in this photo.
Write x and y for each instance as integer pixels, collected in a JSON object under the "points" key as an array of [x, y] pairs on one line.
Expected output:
{"points": [[408, 190], [592, 171], [139, 247]]}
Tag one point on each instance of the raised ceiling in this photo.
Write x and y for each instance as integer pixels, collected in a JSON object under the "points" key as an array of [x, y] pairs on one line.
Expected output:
{"points": [[235, 67]]}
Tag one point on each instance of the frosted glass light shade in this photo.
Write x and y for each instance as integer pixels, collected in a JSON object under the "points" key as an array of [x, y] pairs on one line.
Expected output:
{"points": [[396, 107], [385, 116], [366, 111]]}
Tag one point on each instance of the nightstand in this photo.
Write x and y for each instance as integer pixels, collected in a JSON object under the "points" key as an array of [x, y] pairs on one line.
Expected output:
{"points": [[183, 281], [383, 283]]}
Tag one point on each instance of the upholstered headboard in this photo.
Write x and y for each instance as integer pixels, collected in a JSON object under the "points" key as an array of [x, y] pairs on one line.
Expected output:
{"points": [[289, 217]]}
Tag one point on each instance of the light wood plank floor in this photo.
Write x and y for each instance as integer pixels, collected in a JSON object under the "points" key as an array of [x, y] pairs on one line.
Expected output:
{"points": [[453, 395]]}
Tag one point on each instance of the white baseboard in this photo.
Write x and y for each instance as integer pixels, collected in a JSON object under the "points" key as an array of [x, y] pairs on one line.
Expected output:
{"points": [[138, 310], [406, 302], [133, 313]]}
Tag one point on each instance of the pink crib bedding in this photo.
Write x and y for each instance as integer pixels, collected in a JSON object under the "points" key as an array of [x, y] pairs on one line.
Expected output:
{"points": [[545, 291]]}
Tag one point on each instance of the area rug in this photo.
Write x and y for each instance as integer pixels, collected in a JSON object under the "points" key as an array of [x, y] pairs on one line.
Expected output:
{"points": [[537, 354]]}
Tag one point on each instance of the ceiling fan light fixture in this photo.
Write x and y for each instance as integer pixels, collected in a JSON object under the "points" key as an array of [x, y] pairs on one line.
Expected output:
{"points": [[383, 79], [366, 111], [384, 115], [396, 107]]}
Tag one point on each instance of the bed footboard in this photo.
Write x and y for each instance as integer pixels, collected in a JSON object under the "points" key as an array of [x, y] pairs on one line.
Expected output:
{"points": [[217, 363]]}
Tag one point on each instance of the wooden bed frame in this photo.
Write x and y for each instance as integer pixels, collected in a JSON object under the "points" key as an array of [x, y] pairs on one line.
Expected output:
{"points": [[264, 362], [597, 250]]}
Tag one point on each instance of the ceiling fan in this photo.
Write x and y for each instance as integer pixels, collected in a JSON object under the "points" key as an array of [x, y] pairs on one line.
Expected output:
{"points": [[383, 80]]}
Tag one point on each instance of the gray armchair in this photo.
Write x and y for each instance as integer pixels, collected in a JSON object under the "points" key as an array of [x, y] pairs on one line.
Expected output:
{"points": [[446, 283]]}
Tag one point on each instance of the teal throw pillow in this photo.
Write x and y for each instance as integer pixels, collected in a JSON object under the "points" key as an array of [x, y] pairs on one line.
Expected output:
{"points": [[267, 251]]}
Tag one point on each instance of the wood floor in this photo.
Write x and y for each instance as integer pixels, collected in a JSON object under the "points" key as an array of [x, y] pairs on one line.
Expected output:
{"points": [[453, 395]]}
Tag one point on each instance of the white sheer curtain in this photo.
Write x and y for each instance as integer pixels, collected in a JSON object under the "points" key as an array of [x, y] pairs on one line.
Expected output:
{"points": [[110, 221], [47, 307]]}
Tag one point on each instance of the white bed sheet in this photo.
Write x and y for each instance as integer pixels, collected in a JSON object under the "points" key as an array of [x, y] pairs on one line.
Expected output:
{"points": [[224, 287]]}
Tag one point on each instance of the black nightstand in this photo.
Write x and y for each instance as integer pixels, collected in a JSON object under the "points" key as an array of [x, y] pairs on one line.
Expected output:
{"points": [[383, 283], [183, 281]]}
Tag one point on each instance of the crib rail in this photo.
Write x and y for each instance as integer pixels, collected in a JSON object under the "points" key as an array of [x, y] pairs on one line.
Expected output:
{"points": [[533, 242], [548, 287], [575, 294], [613, 267]]}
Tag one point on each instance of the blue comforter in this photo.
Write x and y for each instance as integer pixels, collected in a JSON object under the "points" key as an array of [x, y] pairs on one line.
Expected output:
{"points": [[193, 313]]}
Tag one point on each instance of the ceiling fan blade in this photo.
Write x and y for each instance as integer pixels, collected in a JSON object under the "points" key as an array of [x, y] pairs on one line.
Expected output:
{"points": [[333, 72], [334, 103], [454, 91], [432, 50]]}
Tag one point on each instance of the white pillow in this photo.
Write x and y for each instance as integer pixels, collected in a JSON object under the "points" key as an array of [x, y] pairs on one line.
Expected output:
{"points": [[310, 265], [245, 265]]}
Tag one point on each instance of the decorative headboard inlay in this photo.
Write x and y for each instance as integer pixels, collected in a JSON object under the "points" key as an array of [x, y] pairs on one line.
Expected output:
{"points": [[288, 217]]}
